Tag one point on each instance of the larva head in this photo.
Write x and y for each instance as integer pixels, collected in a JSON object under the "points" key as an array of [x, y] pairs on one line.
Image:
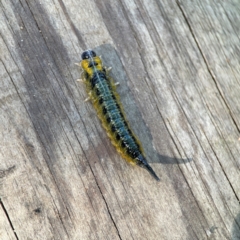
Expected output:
{"points": [[88, 54], [91, 62]]}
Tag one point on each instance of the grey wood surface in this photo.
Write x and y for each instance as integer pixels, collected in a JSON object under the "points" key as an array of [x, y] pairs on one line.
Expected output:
{"points": [[178, 64]]}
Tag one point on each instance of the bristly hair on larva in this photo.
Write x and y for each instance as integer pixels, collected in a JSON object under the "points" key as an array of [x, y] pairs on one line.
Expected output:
{"points": [[102, 92]]}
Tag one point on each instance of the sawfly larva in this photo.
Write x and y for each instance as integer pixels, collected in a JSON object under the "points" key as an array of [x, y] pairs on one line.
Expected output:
{"points": [[102, 92]]}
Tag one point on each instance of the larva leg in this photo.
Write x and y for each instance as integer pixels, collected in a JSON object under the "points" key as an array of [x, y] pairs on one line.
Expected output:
{"points": [[90, 96], [87, 99], [107, 69], [81, 80]]}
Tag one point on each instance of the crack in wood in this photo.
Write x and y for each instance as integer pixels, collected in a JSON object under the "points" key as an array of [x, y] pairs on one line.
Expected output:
{"points": [[8, 218], [111, 217]]}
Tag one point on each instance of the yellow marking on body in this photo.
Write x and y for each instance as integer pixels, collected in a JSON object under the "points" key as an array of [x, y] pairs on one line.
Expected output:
{"points": [[94, 98]]}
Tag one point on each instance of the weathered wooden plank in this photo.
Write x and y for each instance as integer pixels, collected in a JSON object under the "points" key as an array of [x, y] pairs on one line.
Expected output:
{"points": [[218, 41], [65, 180], [37, 129]]}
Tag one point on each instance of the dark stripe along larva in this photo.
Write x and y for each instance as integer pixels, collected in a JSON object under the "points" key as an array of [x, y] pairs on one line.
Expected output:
{"points": [[102, 92]]}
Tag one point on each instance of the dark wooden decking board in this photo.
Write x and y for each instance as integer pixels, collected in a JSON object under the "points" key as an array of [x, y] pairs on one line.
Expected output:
{"points": [[178, 66]]}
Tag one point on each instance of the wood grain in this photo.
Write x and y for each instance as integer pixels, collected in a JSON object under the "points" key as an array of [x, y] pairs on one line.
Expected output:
{"points": [[178, 65]]}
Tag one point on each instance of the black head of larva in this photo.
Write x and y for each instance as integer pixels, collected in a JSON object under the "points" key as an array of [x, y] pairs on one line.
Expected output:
{"points": [[88, 54]]}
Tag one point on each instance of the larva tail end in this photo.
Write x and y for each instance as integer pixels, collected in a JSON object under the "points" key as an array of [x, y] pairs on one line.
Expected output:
{"points": [[141, 161], [150, 170]]}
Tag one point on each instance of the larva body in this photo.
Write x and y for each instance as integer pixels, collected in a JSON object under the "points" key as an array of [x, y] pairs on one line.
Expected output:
{"points": [[102, 92]]}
